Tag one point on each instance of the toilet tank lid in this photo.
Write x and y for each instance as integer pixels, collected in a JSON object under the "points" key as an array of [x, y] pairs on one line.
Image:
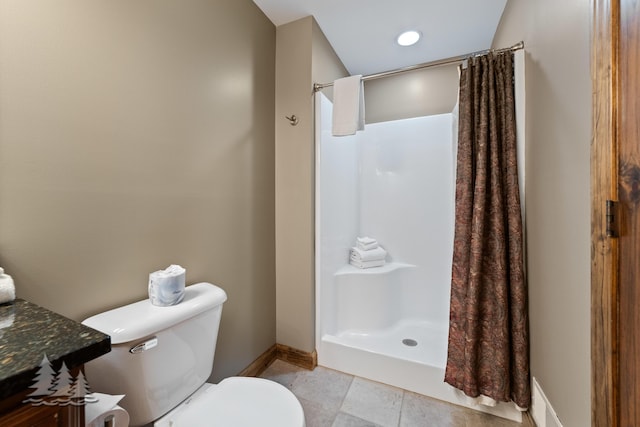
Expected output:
{"points": [[143, 319]]}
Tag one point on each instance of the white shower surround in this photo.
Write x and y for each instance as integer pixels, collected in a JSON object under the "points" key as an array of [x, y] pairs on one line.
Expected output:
{"points": [[393, 182]]}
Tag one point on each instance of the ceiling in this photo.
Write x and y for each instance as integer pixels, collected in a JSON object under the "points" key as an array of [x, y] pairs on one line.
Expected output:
{"points": [[363, 32]]}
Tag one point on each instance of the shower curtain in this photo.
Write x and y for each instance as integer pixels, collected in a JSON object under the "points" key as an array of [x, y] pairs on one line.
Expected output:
{"points": [[488, 352]]}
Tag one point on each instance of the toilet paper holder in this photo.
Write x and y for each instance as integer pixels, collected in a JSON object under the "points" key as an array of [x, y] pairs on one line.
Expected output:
{"points": [[103, 411], [109, 421]]}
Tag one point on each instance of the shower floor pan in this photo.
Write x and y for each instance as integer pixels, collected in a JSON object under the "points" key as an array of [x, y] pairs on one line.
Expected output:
{"points": [[389, 356], [412, 340]]}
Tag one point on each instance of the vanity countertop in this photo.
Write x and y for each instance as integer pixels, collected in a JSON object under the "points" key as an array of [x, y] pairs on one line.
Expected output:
{"points": [[28, 332]]}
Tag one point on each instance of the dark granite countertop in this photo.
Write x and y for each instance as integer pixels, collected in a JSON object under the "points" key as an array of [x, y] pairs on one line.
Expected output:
{"points": [[28, 332]]}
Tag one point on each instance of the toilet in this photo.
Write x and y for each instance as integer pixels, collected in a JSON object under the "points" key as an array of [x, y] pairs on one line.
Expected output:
{"points": [[161, 358]]}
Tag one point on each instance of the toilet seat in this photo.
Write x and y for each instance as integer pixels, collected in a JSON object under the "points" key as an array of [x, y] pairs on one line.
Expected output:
{"points": [[237, 402]]}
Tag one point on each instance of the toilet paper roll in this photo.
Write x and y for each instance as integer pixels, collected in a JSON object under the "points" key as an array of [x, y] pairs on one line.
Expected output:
{"points": [[116, 417], [7, 287], [103, 410], [166, 287]]}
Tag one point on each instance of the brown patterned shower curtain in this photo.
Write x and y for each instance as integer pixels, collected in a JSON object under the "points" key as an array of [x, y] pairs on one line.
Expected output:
{"points": [[488, 352]]}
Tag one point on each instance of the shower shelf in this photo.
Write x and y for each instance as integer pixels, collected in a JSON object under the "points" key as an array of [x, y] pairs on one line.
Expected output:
{"points": [[387, 268]]}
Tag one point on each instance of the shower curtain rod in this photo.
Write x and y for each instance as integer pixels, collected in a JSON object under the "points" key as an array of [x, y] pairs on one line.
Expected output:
{"points": [[454, 59]]}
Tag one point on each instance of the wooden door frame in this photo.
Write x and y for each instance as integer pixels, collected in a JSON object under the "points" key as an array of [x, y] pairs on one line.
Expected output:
{"points": [[605, 380]]}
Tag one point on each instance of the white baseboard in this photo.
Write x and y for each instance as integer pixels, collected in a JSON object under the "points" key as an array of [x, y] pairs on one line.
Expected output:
{"points": [[541, 409]]}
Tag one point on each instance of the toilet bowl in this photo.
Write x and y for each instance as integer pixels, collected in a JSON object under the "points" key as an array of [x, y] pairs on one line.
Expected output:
{"points": [[161, 358], [237, 401]]}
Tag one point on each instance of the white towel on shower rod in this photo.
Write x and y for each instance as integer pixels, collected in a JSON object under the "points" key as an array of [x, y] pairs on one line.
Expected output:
{"points": [[348, 106]]}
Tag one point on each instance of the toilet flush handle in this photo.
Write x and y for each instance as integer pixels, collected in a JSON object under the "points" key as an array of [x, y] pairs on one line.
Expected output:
{"points": [[143, 346]]}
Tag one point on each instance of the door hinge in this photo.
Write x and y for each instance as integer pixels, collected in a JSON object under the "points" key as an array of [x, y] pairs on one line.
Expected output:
{"points": [[612, 218]]}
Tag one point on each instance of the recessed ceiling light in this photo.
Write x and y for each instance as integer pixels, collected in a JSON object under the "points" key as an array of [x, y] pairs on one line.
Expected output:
{"points": [[408, 38]]}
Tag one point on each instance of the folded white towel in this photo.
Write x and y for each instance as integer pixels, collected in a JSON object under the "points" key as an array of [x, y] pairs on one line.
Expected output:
{"points": [[7, 288], [348, 106], [367, 247], [366, 240], [367, 264], [366, 243], [373, 255]]}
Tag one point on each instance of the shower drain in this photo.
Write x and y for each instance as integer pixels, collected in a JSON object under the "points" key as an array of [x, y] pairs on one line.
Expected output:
{"points": [[409, 342]]}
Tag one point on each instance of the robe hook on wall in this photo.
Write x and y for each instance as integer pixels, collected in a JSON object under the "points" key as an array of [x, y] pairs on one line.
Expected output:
{"points": [[293, 120]]}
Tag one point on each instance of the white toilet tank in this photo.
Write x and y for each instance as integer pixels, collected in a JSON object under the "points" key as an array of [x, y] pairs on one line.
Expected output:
{"points": [[159, 355]]}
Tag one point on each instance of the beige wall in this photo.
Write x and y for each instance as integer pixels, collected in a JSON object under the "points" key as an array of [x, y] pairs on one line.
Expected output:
{"points": [[303, 56], [419, 93], [133, 135], [556, 36], [294, 187]]}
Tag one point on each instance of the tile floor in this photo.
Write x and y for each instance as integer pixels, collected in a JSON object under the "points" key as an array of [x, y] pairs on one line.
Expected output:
{"points": [[335, 399]]}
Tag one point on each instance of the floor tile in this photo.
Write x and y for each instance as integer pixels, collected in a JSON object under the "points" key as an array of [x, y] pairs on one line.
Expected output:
{"points": [[335, 399], [322, 385], [317, 414], [418, 410], [374, 402], [282, 372], [480, 419], [346, 420]]}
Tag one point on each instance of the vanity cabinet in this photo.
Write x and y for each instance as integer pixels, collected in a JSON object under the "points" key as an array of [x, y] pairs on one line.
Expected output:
{"points": [[41, 358], [41, 416]]}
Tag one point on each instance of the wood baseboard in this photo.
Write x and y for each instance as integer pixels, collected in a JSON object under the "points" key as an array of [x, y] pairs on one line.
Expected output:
{"points": [[297, 357], [283, 352], [258, 366]]}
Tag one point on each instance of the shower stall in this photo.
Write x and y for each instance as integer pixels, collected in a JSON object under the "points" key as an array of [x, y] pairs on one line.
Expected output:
{"points": [[394, 182]]}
